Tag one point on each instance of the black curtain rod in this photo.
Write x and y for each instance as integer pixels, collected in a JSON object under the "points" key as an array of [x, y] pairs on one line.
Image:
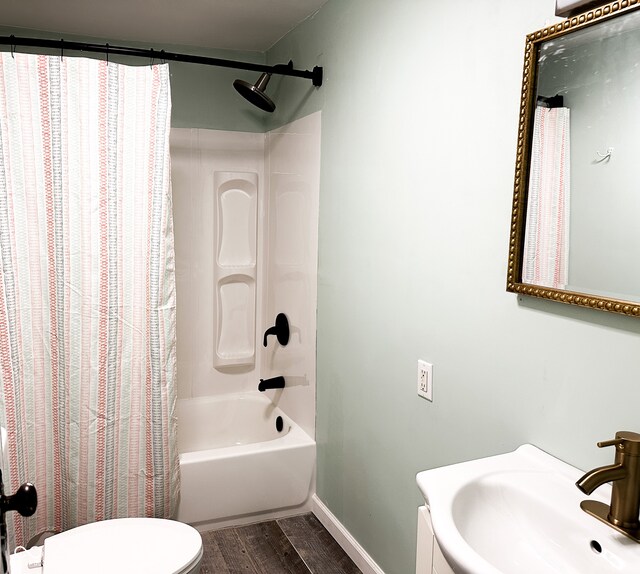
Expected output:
{"points": [[314, 75]]}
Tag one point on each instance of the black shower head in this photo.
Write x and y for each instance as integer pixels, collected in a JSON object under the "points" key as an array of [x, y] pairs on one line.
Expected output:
{"points": [[255, 93]]}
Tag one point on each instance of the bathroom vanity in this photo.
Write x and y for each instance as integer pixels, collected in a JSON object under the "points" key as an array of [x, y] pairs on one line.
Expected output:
{"points": [[519, 513], [429, 557]]}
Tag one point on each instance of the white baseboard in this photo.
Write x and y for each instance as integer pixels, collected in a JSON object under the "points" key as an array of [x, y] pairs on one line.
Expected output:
{"points": [[344, 538]]}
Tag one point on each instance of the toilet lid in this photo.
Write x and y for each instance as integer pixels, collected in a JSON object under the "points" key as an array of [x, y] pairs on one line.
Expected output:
{"points": [[124, 545]]}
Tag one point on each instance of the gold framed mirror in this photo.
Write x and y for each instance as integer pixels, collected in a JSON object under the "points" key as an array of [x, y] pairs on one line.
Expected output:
{"points": [[575, 226]]}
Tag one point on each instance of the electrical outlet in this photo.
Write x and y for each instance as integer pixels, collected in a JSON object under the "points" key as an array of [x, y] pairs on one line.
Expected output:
{"points": [[425, 380]]}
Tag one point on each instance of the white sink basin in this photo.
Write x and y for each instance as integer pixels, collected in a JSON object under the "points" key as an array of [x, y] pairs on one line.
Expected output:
{"points": [[519, 513]]}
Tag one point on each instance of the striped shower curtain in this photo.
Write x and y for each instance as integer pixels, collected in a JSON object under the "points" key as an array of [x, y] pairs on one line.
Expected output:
{"points": [[546, 246], [87, 290]]}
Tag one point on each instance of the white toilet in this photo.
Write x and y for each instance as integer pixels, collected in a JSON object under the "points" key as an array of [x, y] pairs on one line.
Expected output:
{"points": [[122, 546], [118, 546]]}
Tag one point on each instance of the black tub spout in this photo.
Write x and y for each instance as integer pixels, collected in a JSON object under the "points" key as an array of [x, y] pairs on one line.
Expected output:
{"points": [[274, 383]]}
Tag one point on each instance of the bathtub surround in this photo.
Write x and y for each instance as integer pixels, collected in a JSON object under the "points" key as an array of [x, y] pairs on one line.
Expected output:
{"points": [[245, 209], [201, 161], [272, 250], [291, 264], [87, 320]]}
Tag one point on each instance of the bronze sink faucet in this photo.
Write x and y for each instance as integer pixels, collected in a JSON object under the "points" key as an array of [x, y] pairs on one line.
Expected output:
{"points": [[624, 473]]}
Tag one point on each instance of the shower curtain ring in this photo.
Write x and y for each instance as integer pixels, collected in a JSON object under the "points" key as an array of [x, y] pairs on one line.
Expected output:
{"points": [[151, 59], [107, 47], [61, 49], [13, 46]]}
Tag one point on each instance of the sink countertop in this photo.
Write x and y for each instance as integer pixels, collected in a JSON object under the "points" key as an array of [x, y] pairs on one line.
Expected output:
{"points": [[519, 513]]}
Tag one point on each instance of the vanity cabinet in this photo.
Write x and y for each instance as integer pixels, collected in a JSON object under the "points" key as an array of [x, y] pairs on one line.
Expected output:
{"points": [[429, 557]]}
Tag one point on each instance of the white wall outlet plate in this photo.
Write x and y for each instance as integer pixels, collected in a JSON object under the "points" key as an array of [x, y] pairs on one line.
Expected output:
{"points": [[425, 380]]}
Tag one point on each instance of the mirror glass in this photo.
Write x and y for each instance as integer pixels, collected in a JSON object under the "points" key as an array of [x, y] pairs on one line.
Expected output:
{"points": [[576, 228]]}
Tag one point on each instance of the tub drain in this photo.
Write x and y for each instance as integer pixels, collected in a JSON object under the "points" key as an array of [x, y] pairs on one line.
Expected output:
{"points": [[279, 424]]}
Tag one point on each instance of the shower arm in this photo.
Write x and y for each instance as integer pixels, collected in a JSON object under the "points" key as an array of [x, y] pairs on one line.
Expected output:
{"points": [[13, 42]]}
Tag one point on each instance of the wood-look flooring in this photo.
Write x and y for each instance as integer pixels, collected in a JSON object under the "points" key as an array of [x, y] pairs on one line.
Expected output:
{"points": [[295, 545]]}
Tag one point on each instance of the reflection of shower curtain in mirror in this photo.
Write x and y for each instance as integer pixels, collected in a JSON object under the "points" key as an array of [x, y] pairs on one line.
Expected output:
{"points": [[87, 302], [546, 246]]}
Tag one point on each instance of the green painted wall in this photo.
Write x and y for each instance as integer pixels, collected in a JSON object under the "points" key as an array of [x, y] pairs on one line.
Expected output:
{"points": [[419, 112], [202, 96]]}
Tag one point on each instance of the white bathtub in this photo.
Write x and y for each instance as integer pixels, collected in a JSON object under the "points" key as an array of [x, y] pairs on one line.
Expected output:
{"points": [[234, 462]]}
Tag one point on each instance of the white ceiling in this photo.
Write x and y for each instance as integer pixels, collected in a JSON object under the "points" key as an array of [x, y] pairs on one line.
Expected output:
{"points": [[228, 24]]}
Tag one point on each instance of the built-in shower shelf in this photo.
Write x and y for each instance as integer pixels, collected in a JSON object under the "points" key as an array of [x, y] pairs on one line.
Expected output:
{"points": [[236, 218]]}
